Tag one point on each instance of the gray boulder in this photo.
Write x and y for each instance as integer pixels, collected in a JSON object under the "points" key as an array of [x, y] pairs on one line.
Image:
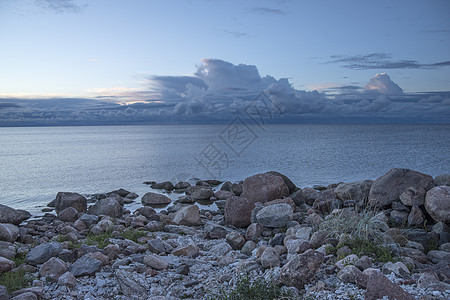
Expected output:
{"points": [[238, 211], [151, 198], [68, 214], [358, 191], [108, 207], [301, 269], [413, 196], [264, 187], [156, 262], [437, 203], [388, 187], [276, 215], [86, 265], [13, 216], [43, 252], [187, 215], [8, 232], [202, 193], [67, 199], [166, 185]]}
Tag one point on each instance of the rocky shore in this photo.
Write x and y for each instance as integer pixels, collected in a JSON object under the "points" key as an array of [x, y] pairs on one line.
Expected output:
{"points": [[382, 239]]}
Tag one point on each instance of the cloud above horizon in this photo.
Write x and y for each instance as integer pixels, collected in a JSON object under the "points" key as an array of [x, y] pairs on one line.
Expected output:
{"points": [[218, 91]]}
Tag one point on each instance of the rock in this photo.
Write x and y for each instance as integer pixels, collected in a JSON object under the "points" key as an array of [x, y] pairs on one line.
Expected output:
{"points": [[304, 233], [398, 268], [133, 285], [166, 185], [236, 240], [349, 274], [379, 285], [437, 203], [25, 296], [270, 258], [159, 246], [13, 216], [429, 281], [86, 266], [310, 195], [155, 199], [3, 293], [108, 207], [415, 217], [391, 185], [66, 199], [220, 249], [301, 269], [89, 219], [248, 247], [43, 252], [215, 231], [277, 215], [67, 279], [296, 246], [363, 263], [187, 215], [8, 232], [53, 269], [317, 238], [291, 186], [6, 265], [348, 260], [238, 211], [399, 217], [443, 179], [436, 256], [121, 192], [298, 198], [358, 191], [413, 196], [156, 262], [264, 187], [190, 250], [182, 185], [202, 193], [254, 231], [68, 214], [223, 195], [287, 200], [237, 188]]}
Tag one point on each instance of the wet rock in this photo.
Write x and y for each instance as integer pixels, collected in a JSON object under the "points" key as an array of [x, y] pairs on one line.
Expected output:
{"points": [[182, 185], [13, 216], [86, 266], [277, 215], [67, 199], [301, 269], [188, 215], [437, 203], [201, 193], [151, 198], [53, 269], [8, 232], [379, 285], [43, 252], [238, 211], [264, 187], [388, 187]]}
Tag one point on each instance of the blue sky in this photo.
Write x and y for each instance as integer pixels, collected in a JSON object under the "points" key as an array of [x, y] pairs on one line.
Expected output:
{"points": [[141, 61]]}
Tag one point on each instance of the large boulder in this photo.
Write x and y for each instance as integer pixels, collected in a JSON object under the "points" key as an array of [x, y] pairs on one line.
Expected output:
{"points": [[201, 192], [276, 215], [8, 232], [108, 207], [301, 269], [66, 199], [437, 203], [155, 199], [43, 252], [358, 191], [388, 187], [187, 215], [379, 286], [291, 186], [13, 216], [238, 211], [264, 187]]}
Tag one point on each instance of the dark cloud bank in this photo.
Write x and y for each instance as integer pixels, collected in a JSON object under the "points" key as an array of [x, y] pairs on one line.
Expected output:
{"points": [[219, 91]]}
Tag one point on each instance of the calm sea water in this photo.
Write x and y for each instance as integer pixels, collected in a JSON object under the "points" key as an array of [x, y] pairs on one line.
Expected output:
{"points": [[38, 162]]}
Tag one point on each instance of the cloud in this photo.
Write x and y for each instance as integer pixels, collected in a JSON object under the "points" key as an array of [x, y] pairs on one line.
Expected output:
{"points": [[218, 91], [382, 83], [237, 34], [381, 61], [267, 11], [62, 6]]}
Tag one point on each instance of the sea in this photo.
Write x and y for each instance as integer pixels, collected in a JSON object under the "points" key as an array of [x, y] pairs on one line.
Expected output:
{"points": [[38, 162]]}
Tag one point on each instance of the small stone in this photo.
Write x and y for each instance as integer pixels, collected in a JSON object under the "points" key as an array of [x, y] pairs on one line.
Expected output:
{"points": [[156, 262]]}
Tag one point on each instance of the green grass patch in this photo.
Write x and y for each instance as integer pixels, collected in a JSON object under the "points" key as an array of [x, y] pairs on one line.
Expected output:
{"points": [[20, 258], [251, 289], [365, 247], [133, 235], [14, 281], [99, 240]]}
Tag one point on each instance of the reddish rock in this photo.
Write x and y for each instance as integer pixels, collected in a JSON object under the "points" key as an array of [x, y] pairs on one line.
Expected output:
{"points": [[238, 211], [264, 187], [379, 286]]}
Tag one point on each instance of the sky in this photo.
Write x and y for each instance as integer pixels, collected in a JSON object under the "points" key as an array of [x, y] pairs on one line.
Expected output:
{"points": [[101, 62]]}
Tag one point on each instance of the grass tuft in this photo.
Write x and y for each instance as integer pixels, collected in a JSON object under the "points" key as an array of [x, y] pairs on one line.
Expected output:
{"points": [[14, 281]]}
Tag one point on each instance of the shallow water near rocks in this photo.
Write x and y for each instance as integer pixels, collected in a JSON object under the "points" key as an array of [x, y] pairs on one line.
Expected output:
{"points": [[38, 162]]}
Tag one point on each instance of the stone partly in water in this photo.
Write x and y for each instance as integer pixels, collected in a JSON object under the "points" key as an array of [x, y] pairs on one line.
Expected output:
{"points": [[151, 198], [437, 203], [13, 216], [387, 188], [66, 199], [264, 187]]}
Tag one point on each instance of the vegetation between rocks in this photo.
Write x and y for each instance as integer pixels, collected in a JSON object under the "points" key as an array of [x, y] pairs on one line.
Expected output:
{"points": [[16, 280]]}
